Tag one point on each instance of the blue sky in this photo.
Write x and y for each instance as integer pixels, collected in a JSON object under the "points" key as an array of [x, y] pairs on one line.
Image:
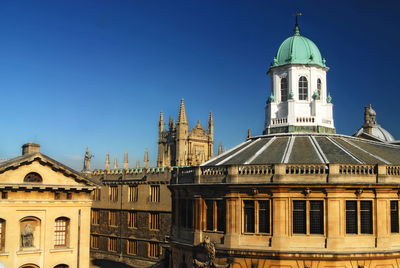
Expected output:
{"points": [[77, 73]]}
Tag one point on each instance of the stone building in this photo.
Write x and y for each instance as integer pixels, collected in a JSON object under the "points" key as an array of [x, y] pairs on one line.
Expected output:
{"points": [[131, 215], [179, 146], [298, 196], [44, 213]]}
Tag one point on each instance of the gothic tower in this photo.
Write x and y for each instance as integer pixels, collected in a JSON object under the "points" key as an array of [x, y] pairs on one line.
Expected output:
{"points": [[180, 146]]}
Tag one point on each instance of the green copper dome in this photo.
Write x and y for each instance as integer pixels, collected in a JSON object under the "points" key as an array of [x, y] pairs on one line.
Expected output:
{"points": [[298, 49]]}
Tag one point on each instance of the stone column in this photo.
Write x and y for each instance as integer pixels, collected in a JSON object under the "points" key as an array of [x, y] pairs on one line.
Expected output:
{"points": [[198, 220], [232, 221]]}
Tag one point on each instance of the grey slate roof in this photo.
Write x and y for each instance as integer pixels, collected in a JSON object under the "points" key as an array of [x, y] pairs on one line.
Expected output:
{"points": [[308, 148]]}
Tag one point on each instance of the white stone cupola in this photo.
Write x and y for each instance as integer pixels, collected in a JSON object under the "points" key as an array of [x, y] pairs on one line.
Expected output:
{"points": [[299, 100]]}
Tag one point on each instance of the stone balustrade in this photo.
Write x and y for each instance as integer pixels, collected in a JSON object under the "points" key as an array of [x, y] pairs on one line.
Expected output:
{"points": [[289, 173]]}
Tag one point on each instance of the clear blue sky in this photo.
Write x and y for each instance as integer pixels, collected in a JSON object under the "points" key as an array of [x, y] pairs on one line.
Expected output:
{"points": [[77, 73]]}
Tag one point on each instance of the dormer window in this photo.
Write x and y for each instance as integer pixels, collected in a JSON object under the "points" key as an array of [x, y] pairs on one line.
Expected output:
{"points": [[284, 89], [303, 88], [33, 177]]}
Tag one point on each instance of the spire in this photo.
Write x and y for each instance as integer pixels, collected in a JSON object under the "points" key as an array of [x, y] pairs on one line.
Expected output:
{"points": [[126, 161], [211, 124], [248, 133], [182, 118], [137, 164], [146, 158], [116, 163], [198, 125], [210, 119], [220, 148], [161, 122], [107, 163], [171, 123], [296, 26]]}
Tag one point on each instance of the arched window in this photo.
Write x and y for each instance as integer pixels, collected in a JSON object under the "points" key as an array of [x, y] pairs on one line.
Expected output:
{"points": [[30, 265], [284, 89], [2, 234], [303, 88], [319, 87], [33, 177], [61, 266], [61, 236]]}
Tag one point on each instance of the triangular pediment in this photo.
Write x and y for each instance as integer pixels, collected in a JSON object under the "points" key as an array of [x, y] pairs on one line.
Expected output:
{"points": [[52, 173]]}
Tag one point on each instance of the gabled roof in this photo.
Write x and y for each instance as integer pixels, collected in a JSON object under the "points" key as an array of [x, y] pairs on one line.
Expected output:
{"points": [[26, 159]]}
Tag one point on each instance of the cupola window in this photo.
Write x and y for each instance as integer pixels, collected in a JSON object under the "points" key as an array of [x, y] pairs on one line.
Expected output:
{"points": [[319, 87], [284, 89], [303, 88]]}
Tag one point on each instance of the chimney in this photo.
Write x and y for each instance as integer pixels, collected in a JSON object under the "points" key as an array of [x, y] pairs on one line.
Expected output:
{"points": [[30, 148]]}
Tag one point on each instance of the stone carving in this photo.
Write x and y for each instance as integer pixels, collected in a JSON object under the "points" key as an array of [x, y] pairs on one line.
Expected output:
{"points": [[206, 252], [27, 236], [86, 162]]}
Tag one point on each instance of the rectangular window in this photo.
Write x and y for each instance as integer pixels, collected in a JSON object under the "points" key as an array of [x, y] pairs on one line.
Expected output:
{"points": [[351, 217], [96, 194], [155, 194], [221, 215], [316, 217], [249, 216], [263, 216], [359, 213], [153, 250], [4, 195], [112, 218], [113, 194], [154, 221], [132, 219], [57, 196], [366, 217], [185, 213], [2, 233], [69, 196], [60, 232], [112, 244], [95, 217], [131, 247], [133, 193], [394, 216], [299, 217], [94, 241]]}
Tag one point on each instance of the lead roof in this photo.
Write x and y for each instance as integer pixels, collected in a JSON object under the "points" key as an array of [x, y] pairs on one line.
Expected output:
{"points": [[308, 148]]}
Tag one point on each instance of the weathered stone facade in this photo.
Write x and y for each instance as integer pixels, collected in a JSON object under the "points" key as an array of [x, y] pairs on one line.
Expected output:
{"points": [[179, 146], [141, 204]]}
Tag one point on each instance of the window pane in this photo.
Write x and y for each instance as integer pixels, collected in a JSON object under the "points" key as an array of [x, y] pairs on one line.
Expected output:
{"points": [[303, 88], [366, 217], [394, 216], [209, 215], [299, 217], [351, 217], [316, 217], [249, 216], [284, 89], [263, 216], [221, 215]]}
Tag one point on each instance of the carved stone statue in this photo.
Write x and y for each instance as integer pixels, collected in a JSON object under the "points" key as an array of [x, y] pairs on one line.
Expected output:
{"points": [[86, 162], [27, 236], [207, 250]]}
